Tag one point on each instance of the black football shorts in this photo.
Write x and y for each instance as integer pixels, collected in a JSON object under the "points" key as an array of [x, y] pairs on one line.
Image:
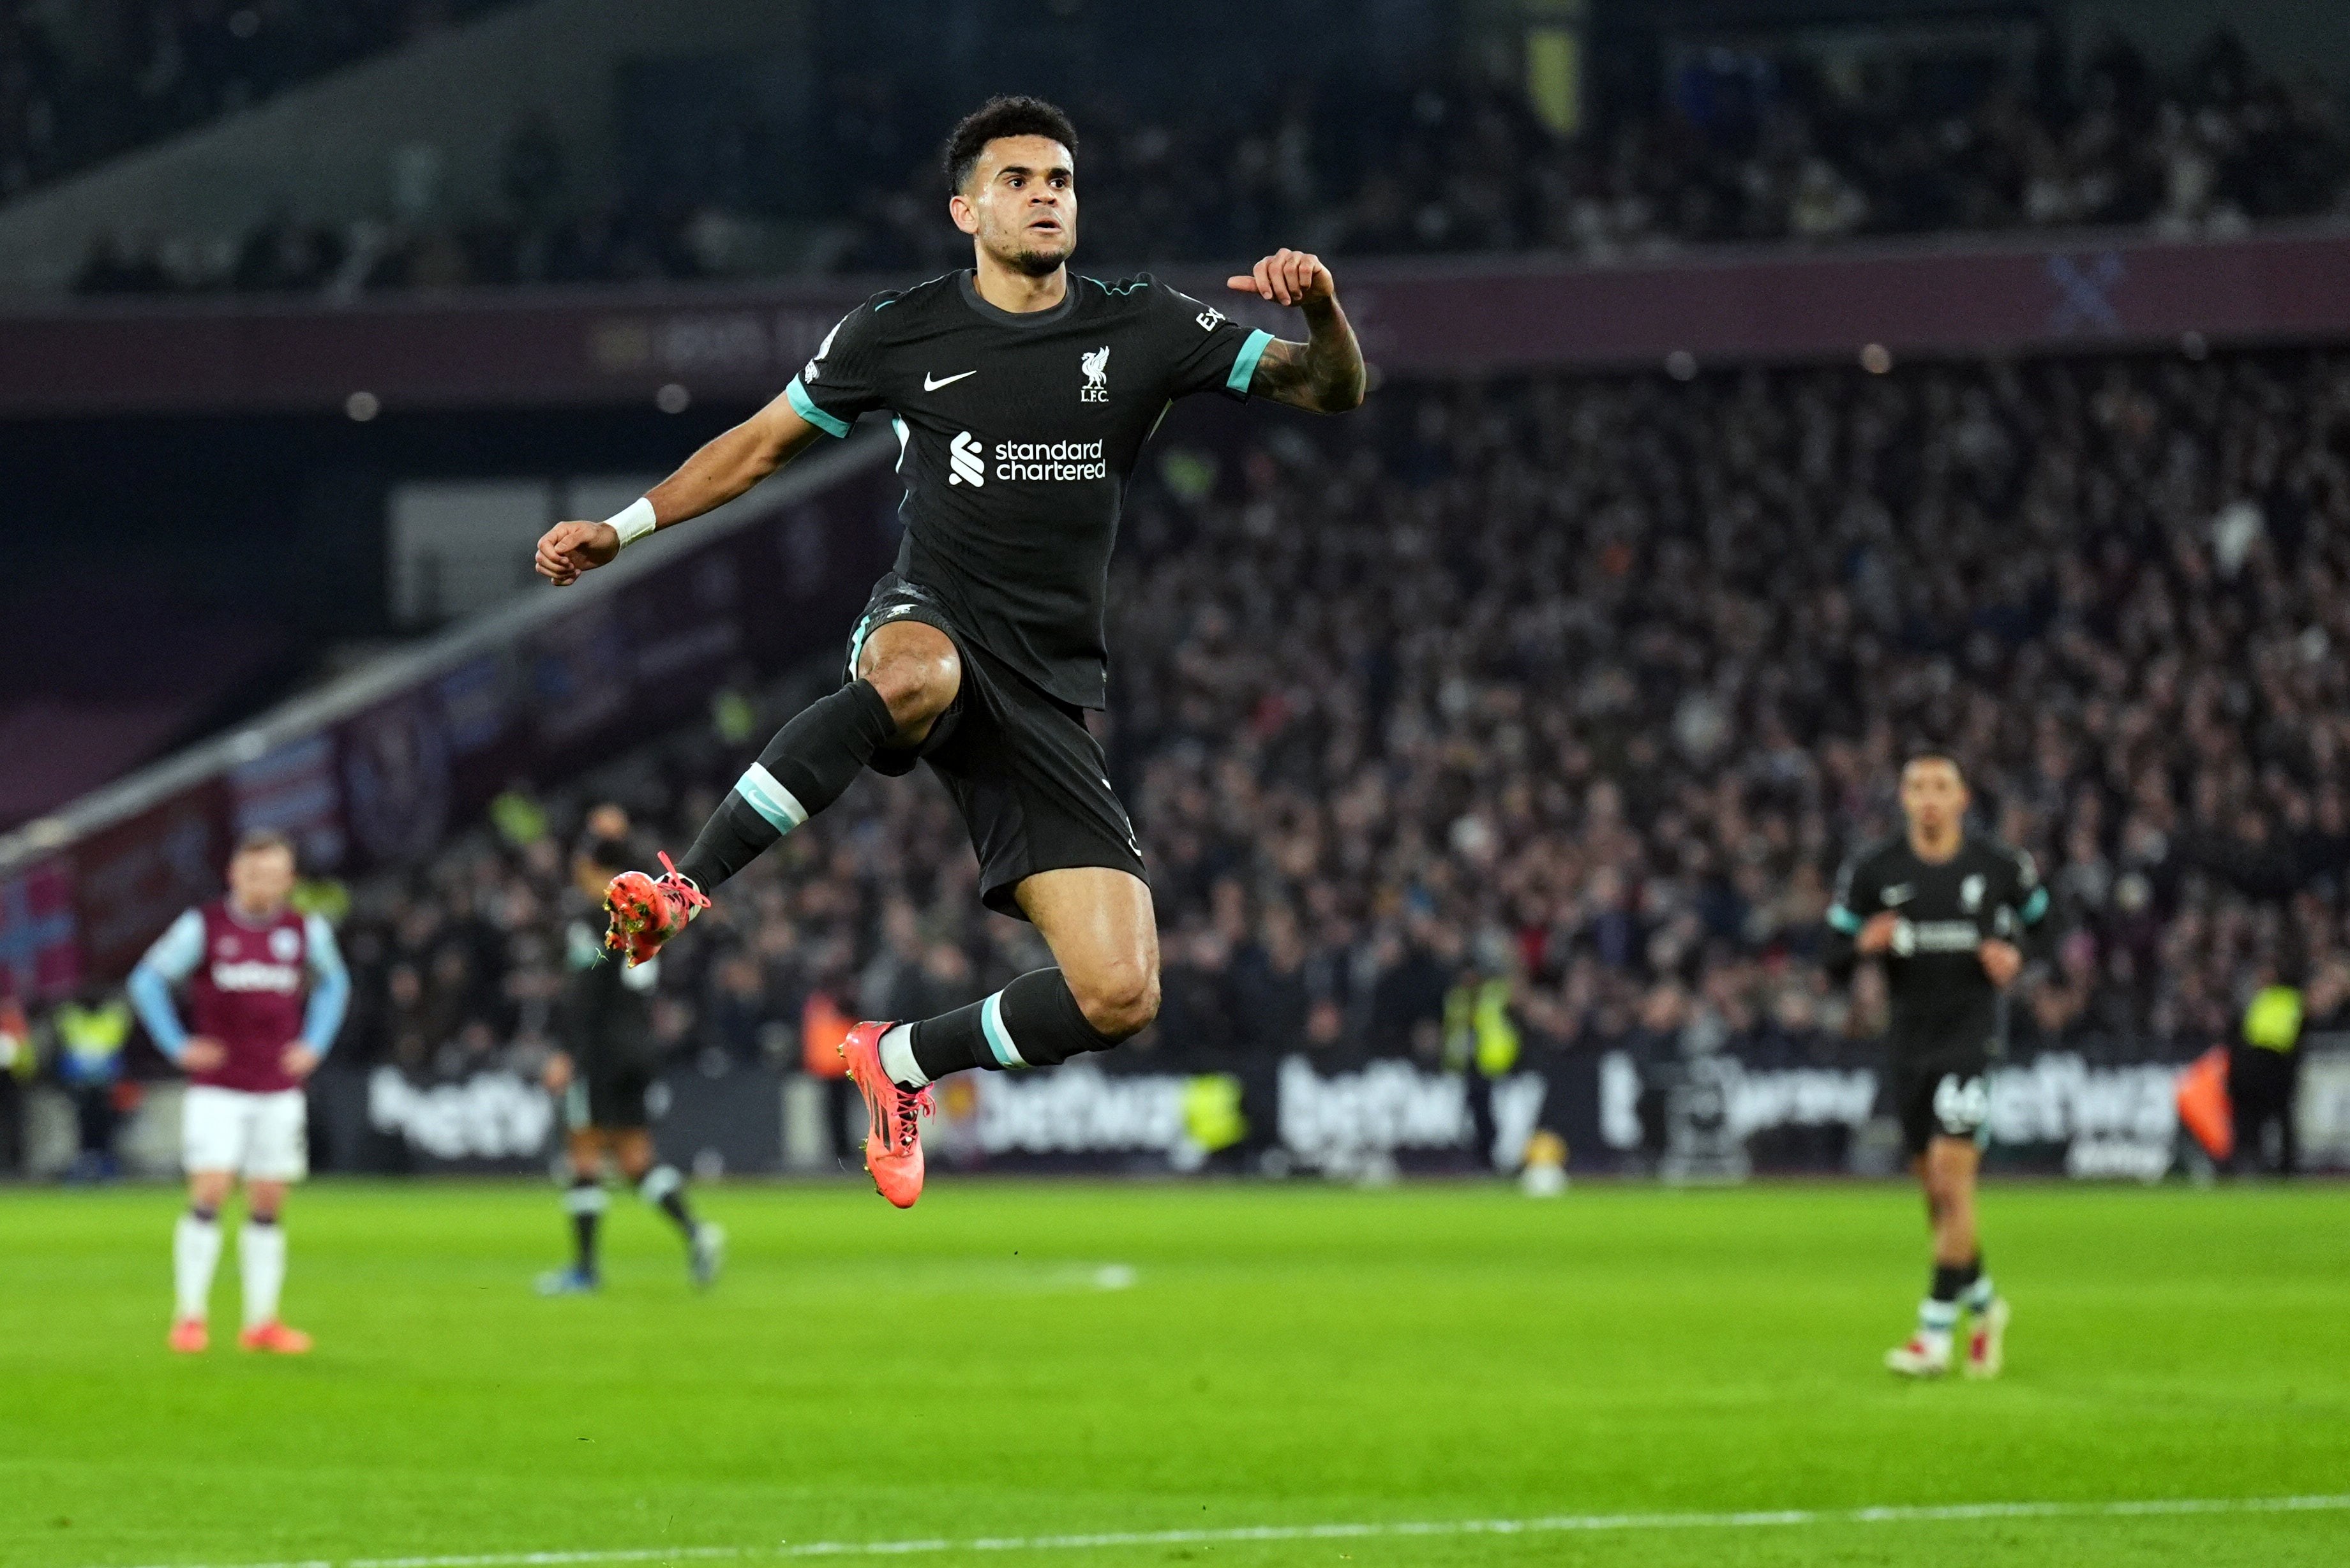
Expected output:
{"points": [[612, 1100], [1942, 1099], [1029, 778]]}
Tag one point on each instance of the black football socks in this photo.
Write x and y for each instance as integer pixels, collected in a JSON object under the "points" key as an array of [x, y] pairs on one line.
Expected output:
{"points": [[1034, 1022], [664, 1187], [584, 1203], [811, 761]]}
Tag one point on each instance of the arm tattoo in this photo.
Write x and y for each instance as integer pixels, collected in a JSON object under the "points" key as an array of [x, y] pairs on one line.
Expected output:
{"points": [[1324, 374]]}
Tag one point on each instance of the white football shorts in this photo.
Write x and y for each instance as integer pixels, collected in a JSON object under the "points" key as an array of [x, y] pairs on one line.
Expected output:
{"points": [[264, 1137]]}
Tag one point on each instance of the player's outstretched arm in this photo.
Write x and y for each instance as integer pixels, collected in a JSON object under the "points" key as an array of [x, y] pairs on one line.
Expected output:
{"points": [[729, 465], [1325, 373]]}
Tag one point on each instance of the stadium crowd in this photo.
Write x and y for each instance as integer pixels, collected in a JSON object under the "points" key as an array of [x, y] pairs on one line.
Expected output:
{"points": [[1445, 166], [1574, 693], [78, 84]]}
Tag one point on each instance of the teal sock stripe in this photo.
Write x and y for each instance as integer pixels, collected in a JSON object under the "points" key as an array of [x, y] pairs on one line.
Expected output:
{"points": [[998, 1039], [771, 800]]}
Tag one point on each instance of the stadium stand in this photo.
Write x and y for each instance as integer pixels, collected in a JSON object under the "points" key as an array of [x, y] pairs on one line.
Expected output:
{"points": [[80, 84], [1441, 165], [1588, 685]]}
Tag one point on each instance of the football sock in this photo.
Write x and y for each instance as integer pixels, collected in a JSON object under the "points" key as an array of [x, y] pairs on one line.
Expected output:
{"points": [[897, 1058], [1978, 1296], [1934, 1320], [664, 1187], [195, 1253], [804, 769], [261, 1259], [585, 1200], [1940, 1311], [1034, 1022]]}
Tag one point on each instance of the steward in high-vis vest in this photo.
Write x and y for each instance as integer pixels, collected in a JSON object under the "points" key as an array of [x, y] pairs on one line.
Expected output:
{"points": [[2263, 1077], [90, 1034]]}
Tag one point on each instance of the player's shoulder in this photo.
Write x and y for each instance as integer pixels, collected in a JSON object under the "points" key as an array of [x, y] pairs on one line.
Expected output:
{"points": [[1142, 296], [1878, 855], [897, 307], [1134, 287], [1993, 853]]}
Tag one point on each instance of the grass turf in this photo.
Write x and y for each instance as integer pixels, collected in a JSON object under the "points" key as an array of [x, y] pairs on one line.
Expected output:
{"points": [[1279, 1355]]}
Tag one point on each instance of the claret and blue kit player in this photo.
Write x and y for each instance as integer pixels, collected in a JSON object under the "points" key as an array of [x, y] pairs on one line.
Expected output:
{"points": [[264, 991]]}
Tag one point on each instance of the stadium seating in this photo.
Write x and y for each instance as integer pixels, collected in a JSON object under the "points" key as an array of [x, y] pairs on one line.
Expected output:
{"points": [[79, 88], [1441, 165]]}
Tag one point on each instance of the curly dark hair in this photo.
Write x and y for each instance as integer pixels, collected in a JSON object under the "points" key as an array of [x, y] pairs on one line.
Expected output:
{"points": [[1001, 116]]}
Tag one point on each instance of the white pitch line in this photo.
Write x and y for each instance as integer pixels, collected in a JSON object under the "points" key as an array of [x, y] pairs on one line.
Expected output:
{"points": [[1554, 1524]]}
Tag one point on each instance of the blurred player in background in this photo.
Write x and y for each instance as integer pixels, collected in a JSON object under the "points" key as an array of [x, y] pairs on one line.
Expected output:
{"points": [[250, 1041], [1949, 914], [1022, 396], [605, 1068]]}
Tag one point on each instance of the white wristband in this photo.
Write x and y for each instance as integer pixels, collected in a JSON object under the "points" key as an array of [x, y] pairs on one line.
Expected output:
{"points": [[634, 522]]}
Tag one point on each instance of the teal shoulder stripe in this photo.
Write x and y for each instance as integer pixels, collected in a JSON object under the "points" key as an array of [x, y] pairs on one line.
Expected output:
{"points": [[1844, 920], [805, 406], [2035, 906], [1244, 366]]}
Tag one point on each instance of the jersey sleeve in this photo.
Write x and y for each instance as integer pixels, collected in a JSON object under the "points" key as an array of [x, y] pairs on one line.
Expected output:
{"points": [[1859, 893], [1206, 351], [842, 380], [330, 985], [173, 958], [176, 953], [2028, 925]]}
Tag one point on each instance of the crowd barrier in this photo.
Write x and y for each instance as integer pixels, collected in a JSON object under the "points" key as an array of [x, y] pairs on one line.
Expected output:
{"points": [[1714, 1119], [1705, 1120]]}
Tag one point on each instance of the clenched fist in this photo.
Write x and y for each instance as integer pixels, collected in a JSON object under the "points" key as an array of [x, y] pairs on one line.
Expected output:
{"points": [[568, 549]]}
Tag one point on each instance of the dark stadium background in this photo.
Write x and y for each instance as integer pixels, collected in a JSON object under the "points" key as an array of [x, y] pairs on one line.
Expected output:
{"points": [[1763, 388]]}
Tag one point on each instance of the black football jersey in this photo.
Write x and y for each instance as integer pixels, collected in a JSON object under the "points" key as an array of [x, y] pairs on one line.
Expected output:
{"points": [[604, 1019], [1943, 1004], [1016, 434]]}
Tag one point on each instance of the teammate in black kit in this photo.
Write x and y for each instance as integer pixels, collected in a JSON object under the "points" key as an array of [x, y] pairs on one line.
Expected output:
{"points": [[1951, 915], [1021, 395], [603, 1073]]}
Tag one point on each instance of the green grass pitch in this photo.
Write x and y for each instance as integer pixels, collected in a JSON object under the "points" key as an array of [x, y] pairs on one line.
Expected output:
{"points": [[1034, 1359]]}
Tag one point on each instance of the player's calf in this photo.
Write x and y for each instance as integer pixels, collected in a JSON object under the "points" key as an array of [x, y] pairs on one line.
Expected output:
{"points": [[195, 1254], [808, 764], [1037, 1021]]}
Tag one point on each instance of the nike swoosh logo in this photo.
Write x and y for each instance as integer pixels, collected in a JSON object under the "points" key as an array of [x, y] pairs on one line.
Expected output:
{"points": [[930, 386]]}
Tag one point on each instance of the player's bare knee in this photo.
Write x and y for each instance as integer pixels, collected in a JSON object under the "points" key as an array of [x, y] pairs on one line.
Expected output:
{"points": [[1121, 1000], [916, 676]]}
